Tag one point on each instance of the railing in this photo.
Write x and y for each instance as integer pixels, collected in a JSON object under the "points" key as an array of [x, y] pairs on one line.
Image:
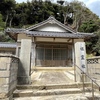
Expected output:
{"points": [[92, 81]]}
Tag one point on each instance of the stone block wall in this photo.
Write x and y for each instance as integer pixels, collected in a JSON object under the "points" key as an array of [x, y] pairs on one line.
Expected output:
{"points": [[93, 65], [8, 75]]}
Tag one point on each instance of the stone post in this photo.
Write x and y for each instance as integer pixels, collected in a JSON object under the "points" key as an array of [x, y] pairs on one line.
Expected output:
{"points": [[80, 57], [24, 70]]}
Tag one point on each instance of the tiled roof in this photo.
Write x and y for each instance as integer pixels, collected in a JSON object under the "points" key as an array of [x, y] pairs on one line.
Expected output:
{"points": [[13, 33], [31, 31], [15, 30], [58, 34], [7, 45]]}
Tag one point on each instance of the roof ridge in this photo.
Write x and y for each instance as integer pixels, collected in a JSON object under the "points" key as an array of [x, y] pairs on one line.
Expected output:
{"points": [[51, 17]]}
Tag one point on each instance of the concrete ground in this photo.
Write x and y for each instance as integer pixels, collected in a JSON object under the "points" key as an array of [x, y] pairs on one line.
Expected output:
{"points": [[51, 77]]}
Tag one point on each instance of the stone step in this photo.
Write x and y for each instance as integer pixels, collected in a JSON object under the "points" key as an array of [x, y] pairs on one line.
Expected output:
{"points": [[63, 97], [35, 68], [55, 97], [31, 92], [53, 86]]}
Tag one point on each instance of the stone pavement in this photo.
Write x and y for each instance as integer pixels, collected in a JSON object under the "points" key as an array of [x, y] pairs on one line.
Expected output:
{"points": [[50, 77]]}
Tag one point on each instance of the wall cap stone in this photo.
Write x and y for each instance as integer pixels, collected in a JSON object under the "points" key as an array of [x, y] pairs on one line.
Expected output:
{"points": [[96, 57], [8, 55]]}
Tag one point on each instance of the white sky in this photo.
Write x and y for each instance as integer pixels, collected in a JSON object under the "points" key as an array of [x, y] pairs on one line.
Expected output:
{"points": [[93, 5]]}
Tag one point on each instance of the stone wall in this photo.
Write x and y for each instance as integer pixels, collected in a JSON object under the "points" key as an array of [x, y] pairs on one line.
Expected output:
{"points": [[8, 75]]}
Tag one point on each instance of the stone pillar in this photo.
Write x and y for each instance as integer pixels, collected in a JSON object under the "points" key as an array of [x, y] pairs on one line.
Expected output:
{"points": [[24, 70], [80, 57]]}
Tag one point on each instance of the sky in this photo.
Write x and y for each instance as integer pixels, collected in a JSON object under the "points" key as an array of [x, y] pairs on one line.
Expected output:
{"points": [[93, 5]]}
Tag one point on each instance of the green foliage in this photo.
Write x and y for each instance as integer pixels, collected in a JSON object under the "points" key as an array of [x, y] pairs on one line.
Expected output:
{"points": [[2, 24], [89, 27], [96, 44], [4, 37]]}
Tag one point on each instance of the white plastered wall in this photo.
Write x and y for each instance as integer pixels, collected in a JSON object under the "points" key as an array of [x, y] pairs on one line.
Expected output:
{"points": [[51, 27]]}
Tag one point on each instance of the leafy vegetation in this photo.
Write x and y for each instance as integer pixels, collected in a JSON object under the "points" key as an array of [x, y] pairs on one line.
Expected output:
{"points": [[2, 24], [74, 14]]}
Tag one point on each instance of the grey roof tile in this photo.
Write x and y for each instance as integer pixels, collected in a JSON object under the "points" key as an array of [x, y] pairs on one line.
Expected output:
{"points": [[58, 34], [13, 32], [7, 45]]}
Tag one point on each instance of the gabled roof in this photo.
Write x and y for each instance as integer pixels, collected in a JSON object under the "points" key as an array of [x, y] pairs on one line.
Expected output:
{"points": [[31, 31], [14, 32], [51, 20]]}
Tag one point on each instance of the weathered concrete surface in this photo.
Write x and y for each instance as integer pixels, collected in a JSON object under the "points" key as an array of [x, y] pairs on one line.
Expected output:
{"points": [[62, 97], [25, 64], [80, 57], [45, 92], [50, 77], [51, 85], [8, 75]]}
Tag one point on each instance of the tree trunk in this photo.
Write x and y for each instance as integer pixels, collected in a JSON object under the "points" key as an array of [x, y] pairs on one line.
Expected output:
{"points": [[6, 19], [10, 23]]}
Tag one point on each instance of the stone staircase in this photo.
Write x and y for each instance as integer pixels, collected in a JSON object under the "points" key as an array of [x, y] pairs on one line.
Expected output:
{"points": [[53, 92], [54, 85]]}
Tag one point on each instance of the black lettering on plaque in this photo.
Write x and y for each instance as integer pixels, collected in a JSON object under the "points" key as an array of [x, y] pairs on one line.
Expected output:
{"points": [[83, 66], [82, 48], [82, 57]]}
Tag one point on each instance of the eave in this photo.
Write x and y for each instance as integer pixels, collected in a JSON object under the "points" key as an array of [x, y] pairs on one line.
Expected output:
{"points": [[14, 32]]}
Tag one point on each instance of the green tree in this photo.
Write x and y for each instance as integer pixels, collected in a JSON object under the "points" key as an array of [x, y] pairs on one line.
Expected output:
{"points": [[2, 24], [3, 37], [7, 10], [89, 26], [92, 44]]}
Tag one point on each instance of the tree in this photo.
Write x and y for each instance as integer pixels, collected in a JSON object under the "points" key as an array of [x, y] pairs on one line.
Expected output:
{"points": [[89, 27], [3, 37], [92, 44], [78, 13], [6, 9], [2, 24]]}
